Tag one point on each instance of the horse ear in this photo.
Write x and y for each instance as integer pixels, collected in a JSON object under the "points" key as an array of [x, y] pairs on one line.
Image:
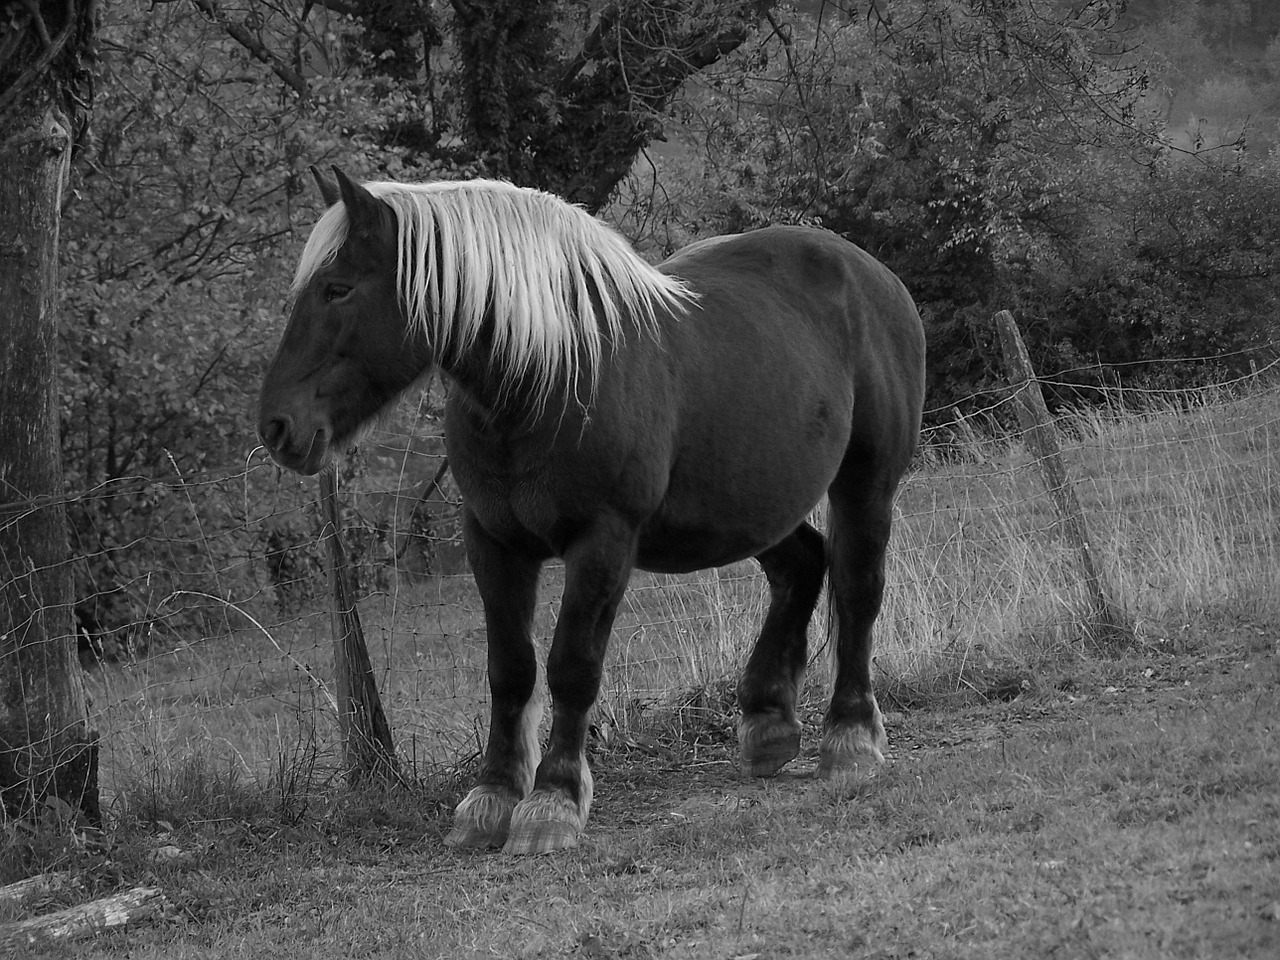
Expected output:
{"points": [[366, 213], [328, 188]]}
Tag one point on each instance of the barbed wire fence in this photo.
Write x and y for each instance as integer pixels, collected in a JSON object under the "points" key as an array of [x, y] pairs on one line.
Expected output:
{"points": [[206, 629]]}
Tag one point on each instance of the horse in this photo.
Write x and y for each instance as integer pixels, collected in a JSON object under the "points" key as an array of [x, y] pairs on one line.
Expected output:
{"points": [[616, 415]]}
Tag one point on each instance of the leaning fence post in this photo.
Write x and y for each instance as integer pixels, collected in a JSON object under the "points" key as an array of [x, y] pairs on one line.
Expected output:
{"points": [[367, 750], [1105, 623]]}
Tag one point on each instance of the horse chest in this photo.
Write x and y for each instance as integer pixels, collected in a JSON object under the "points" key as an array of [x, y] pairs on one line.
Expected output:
{"points": [[506, 486], [502, 491], [550, 489]]}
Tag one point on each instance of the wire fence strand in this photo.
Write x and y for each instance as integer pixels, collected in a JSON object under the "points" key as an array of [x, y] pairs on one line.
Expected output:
{"points": [[202, 616]]}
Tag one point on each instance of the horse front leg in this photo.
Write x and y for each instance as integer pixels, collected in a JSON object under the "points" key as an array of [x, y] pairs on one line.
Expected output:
{"points": [[597, 568], [508, 585]]}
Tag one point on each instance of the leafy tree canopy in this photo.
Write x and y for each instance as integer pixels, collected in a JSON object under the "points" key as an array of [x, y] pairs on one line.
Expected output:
{"points": [[996, 153]]}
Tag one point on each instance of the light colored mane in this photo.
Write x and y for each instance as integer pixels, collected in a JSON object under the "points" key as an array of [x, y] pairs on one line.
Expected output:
{"points": [[476, 248]]}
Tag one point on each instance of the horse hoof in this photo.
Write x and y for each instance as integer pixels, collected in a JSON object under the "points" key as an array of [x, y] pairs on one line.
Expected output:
{"points": [[544, 837], [544, 823], [863, 768], [766, 744], [849, 752], [466, 837], [482, 820]]}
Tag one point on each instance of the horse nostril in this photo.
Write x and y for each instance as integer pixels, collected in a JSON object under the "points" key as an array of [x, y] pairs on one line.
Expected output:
{"points": [[274, 432]]}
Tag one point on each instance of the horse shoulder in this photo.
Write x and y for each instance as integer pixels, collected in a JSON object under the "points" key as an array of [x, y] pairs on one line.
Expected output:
{"points": [[542, 481]]}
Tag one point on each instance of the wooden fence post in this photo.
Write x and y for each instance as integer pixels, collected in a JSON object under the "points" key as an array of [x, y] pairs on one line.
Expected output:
{"points": [[1105, 623], [367, 750]]}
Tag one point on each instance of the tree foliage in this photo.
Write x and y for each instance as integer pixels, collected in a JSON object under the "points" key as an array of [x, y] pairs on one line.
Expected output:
{"points": [[176, 246], [996, 155], [1217, 69]]}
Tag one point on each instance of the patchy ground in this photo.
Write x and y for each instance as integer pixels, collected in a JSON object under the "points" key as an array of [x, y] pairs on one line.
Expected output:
{"points": [[1123, 807]]}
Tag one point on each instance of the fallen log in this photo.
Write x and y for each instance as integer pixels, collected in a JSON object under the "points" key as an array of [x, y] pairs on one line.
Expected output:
{"points": [[85, 920], [37, 886]]}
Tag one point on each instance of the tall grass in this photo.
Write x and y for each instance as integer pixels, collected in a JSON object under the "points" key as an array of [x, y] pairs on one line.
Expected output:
{"points": [[1182, 498], [1192, 508], [194, 731], [1183, 504]]}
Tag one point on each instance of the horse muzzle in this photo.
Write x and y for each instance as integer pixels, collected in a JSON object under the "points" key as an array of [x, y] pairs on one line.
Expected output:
{"points": [[304, 449]]}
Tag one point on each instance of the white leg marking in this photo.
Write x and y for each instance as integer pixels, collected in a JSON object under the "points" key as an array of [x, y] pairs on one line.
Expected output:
{"points": [[586, 789], [530, 745], [482, 818], [844, 748], [546, 820]]}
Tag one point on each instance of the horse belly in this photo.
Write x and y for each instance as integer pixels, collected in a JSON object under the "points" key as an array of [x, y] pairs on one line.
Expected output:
{"points": [[668, 549], [745, 479]]}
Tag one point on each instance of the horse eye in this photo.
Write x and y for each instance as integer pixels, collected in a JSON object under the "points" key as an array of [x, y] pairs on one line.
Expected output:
{"points": [[335, 291]]}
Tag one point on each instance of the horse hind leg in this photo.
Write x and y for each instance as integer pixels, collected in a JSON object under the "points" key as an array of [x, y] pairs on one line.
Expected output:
{"points": [[858, 534], [769, 732]]}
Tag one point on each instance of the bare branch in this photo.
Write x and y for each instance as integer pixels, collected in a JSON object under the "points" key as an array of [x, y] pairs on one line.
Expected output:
{"points": [[337, 6], [241, 35], [49, 52]]}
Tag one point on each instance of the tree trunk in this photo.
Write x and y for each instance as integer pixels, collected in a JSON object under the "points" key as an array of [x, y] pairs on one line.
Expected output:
{"points": [[47, 750], [574, 124]]}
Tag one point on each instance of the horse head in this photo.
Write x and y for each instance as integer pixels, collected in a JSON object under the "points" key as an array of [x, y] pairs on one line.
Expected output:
{"points": [[345, 353]]}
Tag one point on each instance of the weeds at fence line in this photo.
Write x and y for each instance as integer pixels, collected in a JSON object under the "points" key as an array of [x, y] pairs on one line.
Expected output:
{"points": [[227, 670]]}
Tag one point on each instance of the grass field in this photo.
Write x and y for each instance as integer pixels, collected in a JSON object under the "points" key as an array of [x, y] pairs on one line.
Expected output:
{"points": [[1042, 797]]}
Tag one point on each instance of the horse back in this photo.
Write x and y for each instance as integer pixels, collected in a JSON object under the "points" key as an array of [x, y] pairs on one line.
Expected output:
{"points": [[817, 307]]}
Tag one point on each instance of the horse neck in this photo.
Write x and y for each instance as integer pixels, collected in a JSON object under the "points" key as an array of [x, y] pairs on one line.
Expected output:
{"points": [[499, 400]]}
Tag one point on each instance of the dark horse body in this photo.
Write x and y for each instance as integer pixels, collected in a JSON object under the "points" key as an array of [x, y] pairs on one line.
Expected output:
{"points": [[702, 438]]}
